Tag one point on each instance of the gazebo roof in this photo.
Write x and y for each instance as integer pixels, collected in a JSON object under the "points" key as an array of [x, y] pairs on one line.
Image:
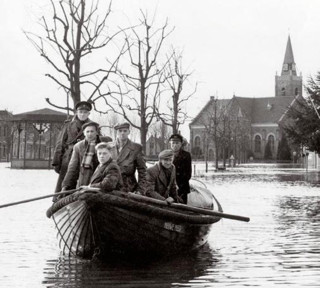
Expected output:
{"points": [[42, 115]]}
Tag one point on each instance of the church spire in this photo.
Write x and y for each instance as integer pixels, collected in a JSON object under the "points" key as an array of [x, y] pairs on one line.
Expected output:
{"points": [[288, 84], [289, 66]]}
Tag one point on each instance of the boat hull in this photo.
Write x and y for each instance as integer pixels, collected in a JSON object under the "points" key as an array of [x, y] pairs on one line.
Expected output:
{"points": [[99, 224]]}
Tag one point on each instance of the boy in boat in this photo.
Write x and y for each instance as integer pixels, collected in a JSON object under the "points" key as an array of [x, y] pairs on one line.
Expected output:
{"points": [[161, 179], [84, 159], [130, 158], [182, 163], [70, 134], [107, 175]]}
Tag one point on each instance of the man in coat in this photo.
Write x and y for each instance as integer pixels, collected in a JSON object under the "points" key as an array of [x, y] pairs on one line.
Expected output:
{"points": [[130, 159], [161, 179], [107, 175], [84, 159], [182, 162], [70, 134]]}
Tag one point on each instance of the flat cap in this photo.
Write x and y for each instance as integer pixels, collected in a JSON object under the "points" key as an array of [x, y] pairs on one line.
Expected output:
{"points": [[90, 123], [176, 137], [105, 139], [106, 145], [84, 105], [168, 153], [124, 125]]}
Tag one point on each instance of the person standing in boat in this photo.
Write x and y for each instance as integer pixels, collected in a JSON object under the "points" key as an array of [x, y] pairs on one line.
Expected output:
{"points": [[107, 175], [130, 159], [84, 159], [182, 162], [70, 134], [161, 179]]}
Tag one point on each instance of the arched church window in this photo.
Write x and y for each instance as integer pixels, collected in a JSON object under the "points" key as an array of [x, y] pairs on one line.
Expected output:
{"points": [[197, 141], [257, 143], [271, 142], [296, 91], [283, 91]]}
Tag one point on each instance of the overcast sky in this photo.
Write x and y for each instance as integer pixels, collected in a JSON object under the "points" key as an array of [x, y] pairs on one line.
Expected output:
{"points": [[233, 46]]}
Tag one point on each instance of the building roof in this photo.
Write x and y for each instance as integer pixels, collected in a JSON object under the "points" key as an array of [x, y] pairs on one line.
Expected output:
{"points": [[257, 110], [221, 103], [5, 115], [246, 104], [270, 109], [43, 115]]}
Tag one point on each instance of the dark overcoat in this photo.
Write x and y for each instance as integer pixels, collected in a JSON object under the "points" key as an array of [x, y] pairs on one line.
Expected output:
{"points": [[158, 185], [107, 177], [70, 134], [182, 162], [131, 159], [77, 175]]}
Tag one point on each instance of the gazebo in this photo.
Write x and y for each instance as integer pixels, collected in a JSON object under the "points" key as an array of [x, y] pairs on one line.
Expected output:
{"points": [[34, 135]]}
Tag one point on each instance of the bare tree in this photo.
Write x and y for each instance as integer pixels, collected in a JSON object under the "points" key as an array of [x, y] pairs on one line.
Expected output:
{"points": [[176, 78], [143, 78], [77, 29]]}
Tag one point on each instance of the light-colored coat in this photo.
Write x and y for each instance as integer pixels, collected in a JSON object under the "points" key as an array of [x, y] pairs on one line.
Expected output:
{"points": [[77, 175]]}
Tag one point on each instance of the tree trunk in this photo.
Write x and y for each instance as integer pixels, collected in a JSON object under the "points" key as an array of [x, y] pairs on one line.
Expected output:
{"points": [[175, 114], [143, 135]]}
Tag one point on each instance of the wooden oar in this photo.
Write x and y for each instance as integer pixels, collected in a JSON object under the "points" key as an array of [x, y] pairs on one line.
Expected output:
{"points": [[189, 208], [39, 198]]}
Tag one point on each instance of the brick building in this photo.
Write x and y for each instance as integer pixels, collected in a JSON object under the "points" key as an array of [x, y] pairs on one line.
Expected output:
{"points": [[243, 126]]}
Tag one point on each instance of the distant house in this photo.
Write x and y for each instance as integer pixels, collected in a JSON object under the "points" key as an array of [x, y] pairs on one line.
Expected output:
{"points": [[34, 135], [154, 146], [5, 135], [245, 127]]}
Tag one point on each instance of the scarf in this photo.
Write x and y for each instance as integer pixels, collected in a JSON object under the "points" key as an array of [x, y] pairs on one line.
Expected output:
{"points": [[88, 155]]}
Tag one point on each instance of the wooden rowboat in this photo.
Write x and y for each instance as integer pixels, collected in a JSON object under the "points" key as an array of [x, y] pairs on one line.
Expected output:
{"points": [[93, 223]]}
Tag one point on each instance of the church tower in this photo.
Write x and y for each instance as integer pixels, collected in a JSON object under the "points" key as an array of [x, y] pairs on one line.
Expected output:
{"points": [[288, 84]]}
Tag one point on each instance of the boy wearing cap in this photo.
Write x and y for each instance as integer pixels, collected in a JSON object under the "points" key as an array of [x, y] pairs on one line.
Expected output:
{"points": [[130, 159], [84, 159], [107, 175], [182, 162], [161, 179], [70, 134]]}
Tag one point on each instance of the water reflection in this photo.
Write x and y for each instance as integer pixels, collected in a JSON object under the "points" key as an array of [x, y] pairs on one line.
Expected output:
{"points": [[179, 270]]}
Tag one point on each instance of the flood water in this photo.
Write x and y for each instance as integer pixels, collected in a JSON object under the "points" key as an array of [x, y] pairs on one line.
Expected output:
{"points": [[279, 247]]}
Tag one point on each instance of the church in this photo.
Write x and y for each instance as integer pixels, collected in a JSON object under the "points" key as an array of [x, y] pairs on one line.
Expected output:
{"points": [[246, 128]]}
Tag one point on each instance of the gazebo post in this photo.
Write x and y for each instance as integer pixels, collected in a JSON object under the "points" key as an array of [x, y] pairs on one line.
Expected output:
{"points": [[39, 132], [25, 145], [19, 130], [50, 143]]}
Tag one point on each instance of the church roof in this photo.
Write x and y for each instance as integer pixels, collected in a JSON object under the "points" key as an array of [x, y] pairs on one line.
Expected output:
{"points": [[246, 104], [257, 110], [44, 115], [270, 109], [221, 103]]}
